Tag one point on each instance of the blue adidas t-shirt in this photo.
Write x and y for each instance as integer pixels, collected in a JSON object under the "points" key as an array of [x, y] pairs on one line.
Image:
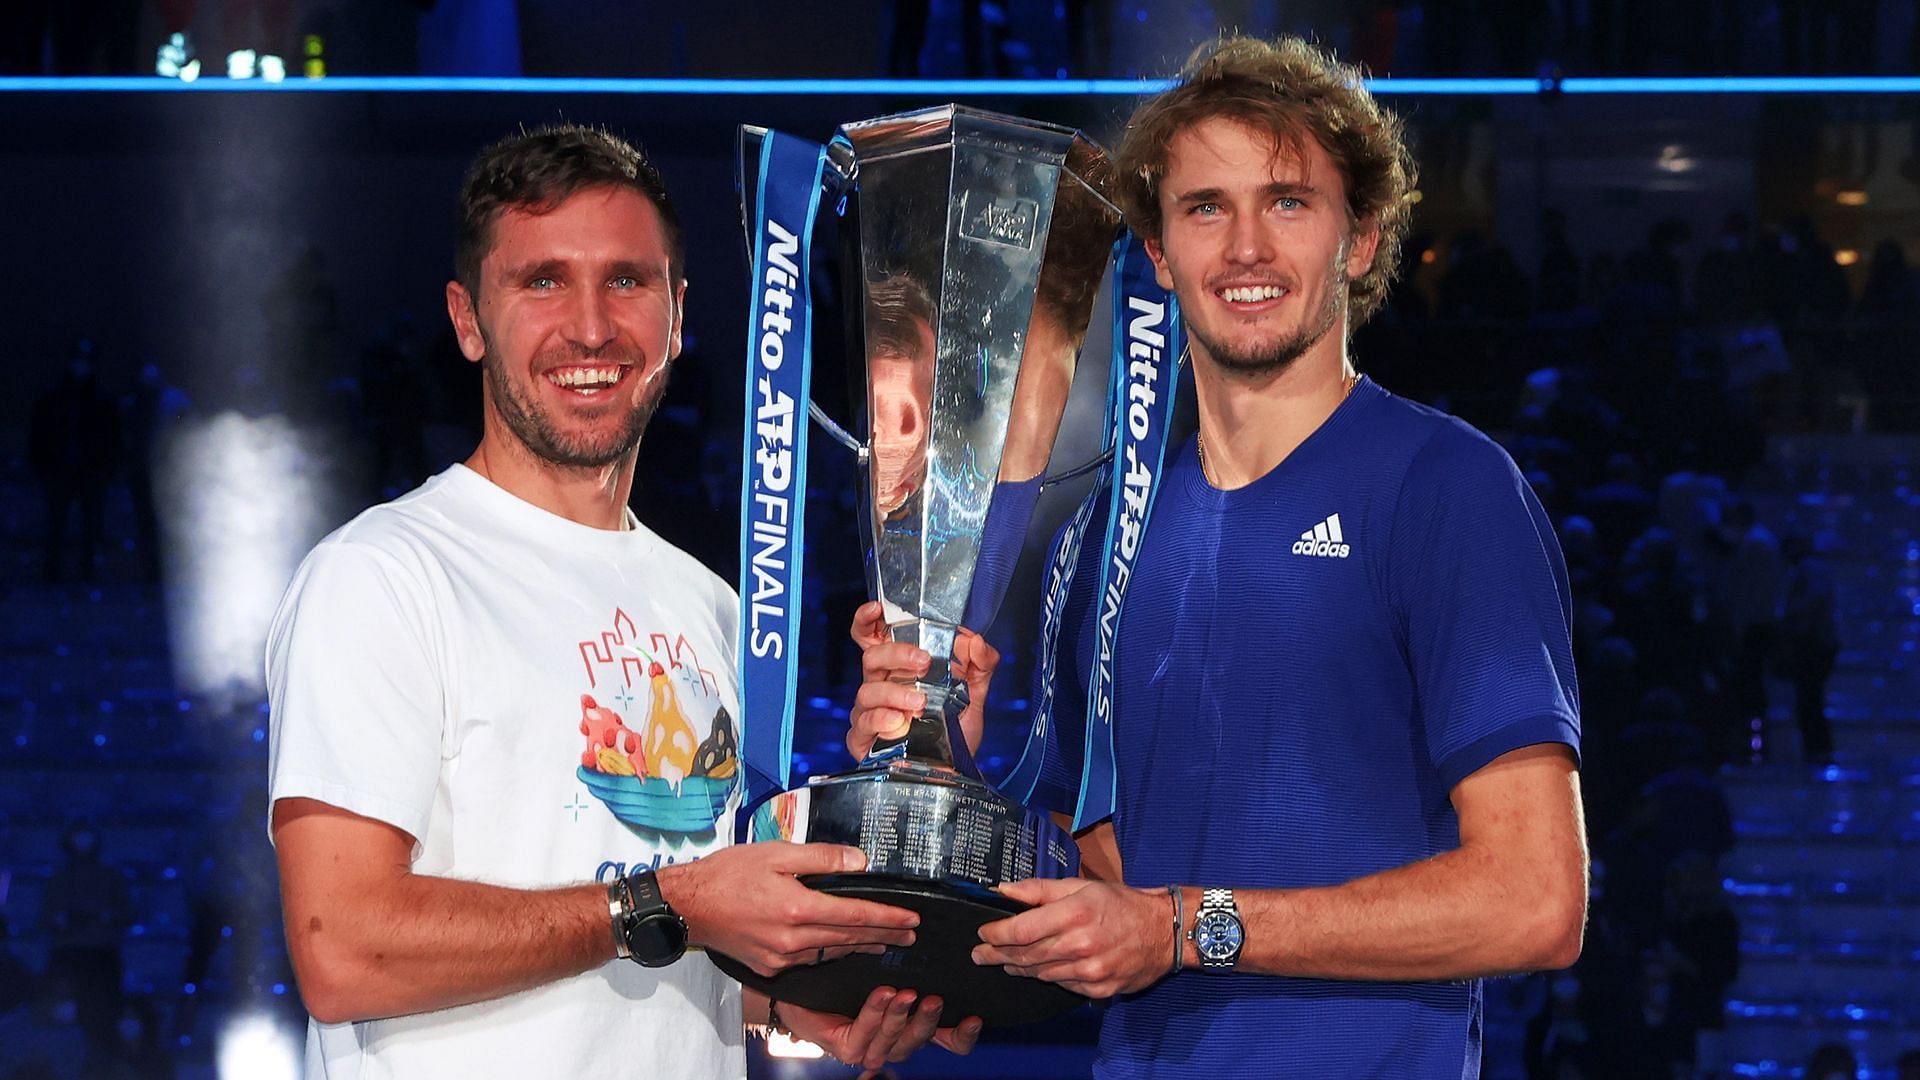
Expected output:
{"points": [[1305, 667]]}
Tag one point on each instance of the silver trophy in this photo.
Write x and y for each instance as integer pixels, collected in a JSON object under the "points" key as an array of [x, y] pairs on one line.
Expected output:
{"points": [[978, 242]]}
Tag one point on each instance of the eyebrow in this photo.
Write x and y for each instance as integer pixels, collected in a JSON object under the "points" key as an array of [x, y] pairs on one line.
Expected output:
{"points": [[557, 268], [1275, 189], [529, 270]]}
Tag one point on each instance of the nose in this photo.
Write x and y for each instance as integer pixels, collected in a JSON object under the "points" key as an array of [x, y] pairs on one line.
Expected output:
{"points": [[1248, 241], [590, 324]]}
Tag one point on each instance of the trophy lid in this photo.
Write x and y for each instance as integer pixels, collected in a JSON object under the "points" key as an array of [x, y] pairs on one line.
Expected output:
{"points": [[942, 126]]}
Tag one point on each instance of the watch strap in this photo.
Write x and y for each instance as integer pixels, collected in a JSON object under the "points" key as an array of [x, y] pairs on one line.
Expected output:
{"points": [[640, 901]]}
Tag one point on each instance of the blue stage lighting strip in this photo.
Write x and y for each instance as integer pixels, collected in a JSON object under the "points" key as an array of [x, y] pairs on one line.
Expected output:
{"points": [[940, 87], [1831, 84]]}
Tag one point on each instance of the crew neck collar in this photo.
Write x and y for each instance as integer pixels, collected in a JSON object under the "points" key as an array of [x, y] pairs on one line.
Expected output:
{"points": [[518, 512]]}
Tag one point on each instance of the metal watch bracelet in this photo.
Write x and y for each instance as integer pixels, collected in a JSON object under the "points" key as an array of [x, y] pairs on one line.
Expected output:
{"points": [[619, 906]]}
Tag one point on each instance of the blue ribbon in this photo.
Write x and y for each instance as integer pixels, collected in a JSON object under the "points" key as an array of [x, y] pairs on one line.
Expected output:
{"points": [[1142, 379], [780, 211], [1147, 345]]}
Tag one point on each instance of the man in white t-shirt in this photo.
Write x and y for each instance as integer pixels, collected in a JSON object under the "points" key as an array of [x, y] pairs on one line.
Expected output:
{"points": [[505, 718]]}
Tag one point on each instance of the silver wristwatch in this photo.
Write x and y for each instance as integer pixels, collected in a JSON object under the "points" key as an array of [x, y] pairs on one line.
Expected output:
{"points": [[1217, 931]]}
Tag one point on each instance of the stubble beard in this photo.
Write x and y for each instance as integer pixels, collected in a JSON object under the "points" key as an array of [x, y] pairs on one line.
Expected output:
{"points": [[534, 426], [1271, 358]]}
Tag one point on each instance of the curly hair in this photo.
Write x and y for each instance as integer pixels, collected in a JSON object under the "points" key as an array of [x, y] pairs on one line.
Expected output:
{"points": [[540, 169], [1293, 90]]}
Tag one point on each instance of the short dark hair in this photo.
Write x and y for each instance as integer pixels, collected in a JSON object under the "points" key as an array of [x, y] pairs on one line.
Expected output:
{"points": [[897, 307], [537, 171], [1291, 90]]}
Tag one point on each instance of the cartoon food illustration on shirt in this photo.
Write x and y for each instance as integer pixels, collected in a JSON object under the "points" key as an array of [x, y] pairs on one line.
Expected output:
{"points": [[611, 748], [718, 757], [670, 740], [645, 757]]}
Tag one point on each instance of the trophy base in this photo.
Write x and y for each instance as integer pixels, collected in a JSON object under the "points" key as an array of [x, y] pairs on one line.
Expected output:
{"points": [[939, 961]]}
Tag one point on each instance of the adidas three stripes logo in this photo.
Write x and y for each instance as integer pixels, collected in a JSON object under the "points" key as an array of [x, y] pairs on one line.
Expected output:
{"points": [[1324, 541]]}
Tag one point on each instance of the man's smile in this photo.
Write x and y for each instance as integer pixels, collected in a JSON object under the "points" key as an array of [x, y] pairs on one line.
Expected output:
{"points": [[587, 380], [1251, 297]]}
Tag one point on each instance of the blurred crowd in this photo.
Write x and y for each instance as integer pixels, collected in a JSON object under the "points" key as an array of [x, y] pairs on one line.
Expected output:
{"points": [[1445, 38], [989, 38]]}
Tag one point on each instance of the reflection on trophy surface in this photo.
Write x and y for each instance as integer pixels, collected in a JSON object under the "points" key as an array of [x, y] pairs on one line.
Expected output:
{"points": [[900, 353], [977, 242], [1003, 239]]}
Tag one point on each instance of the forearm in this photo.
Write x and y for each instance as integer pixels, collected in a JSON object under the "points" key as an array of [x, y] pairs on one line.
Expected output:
{"points": [[416, 943], [1099, 853], [1462, 914]]}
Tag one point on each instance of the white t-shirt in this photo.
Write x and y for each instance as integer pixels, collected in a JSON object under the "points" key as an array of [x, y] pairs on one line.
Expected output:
{"points": [[537, 703]]}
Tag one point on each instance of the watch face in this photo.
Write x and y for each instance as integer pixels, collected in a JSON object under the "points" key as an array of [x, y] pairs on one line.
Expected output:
{"points": [[657, 939], [1218, 935]]}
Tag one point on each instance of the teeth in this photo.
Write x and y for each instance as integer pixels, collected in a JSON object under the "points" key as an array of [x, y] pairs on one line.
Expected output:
{"points": [[586, 379], [1253, 293]]}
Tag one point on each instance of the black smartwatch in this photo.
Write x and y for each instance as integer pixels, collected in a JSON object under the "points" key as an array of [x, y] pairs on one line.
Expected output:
{"points": [[645, 928]]}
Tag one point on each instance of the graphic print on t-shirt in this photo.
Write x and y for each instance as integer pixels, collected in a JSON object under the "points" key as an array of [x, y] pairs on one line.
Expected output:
{"points": [[660, 748]]}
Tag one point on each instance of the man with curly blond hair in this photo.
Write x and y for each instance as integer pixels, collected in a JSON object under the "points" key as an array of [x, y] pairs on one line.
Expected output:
{"points": [[1345, 716]]}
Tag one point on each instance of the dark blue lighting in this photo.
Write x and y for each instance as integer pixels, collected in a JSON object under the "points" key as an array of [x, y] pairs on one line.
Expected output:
{"points": [[1471, 87], [487, 85]]}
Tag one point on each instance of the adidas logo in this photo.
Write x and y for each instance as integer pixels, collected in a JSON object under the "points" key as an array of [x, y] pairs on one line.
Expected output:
{"points": [[1323, 540]]}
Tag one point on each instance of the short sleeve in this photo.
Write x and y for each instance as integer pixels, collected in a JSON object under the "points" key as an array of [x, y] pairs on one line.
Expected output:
{"points": [[1481, 587], [353, 689]]}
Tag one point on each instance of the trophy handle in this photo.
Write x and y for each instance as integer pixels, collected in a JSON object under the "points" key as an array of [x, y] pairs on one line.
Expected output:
{"points": [[1078, 470], [840, 435]]}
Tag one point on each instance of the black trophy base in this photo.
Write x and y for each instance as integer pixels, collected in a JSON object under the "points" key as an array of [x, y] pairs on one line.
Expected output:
{"points": [[940, 960]]}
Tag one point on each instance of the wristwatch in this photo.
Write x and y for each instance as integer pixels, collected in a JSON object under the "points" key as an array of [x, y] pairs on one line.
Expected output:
{"points": [[646, 930], [1217, 930]]}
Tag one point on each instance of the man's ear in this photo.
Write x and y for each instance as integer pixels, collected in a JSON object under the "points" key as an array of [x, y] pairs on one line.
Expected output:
{"points": [[679, 313], [1366, 241], [1159, 256], [466, 322]]}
